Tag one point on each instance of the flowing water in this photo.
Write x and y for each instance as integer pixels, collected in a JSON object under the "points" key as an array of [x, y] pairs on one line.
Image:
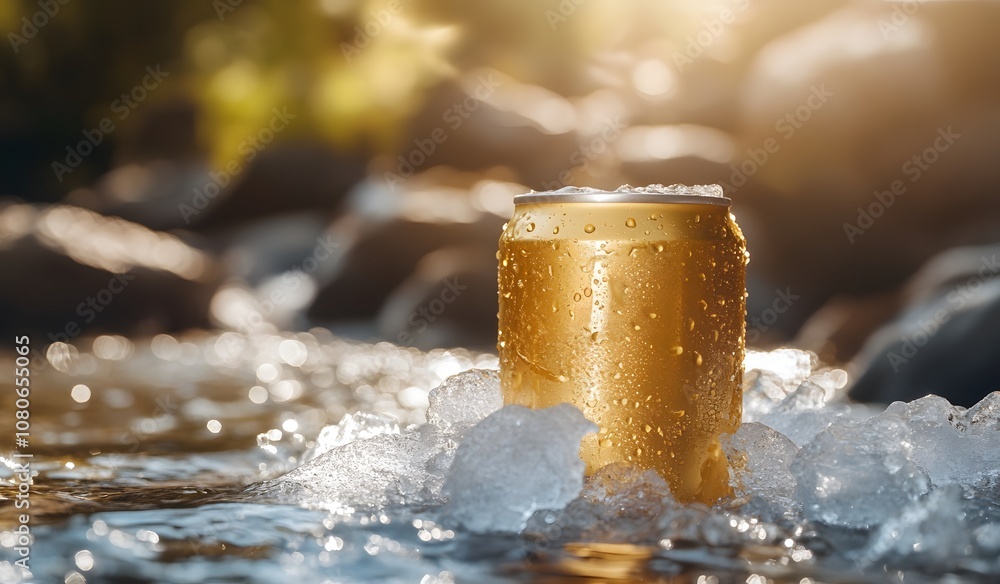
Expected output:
{"points": [[146, 457]]}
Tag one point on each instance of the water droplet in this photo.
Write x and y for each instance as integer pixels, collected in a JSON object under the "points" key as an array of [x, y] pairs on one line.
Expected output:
{"points": [[697, 358], [630, 222], [652, 315], [638, 451], [587, 291], [504, 262], [703, 304], [607, 443], [676, 350], [555, 230], [715, 335], [658, 247], [690, 324], [577, 297], [649, 428], [697, 218], [530, 227], [702, 277], [589, 228], [625, 401]]}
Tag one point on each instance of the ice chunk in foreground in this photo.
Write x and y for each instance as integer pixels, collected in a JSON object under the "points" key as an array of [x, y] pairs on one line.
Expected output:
{"points": [[861, 474], [357, 426], [933, 530], [857, 474], [515, 462], [760, 461], [618, 503], [464, 399], [366, 461], [372, 472], [952, 445]]}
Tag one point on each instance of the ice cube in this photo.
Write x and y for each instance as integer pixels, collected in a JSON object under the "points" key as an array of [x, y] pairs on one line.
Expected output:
{"points": [[855, 474], [950, 444], [803, 414], [374, 472], [790, 365], [760, 460], [515, 462], [618, 503], [356, 426], [464, 399], [931, 531]]}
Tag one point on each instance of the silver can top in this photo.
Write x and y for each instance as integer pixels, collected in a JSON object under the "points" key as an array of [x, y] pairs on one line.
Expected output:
{"points": [[673, 194]]}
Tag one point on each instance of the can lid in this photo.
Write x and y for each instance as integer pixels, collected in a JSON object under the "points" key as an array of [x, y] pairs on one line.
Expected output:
{"points": [[681, 194]]}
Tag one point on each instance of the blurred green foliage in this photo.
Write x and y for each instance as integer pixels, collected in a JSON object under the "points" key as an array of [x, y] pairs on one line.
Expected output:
{"points": [[352, 71]]}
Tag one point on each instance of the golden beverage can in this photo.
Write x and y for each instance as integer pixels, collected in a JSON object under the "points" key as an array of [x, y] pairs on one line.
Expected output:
{"points": [[630, 305]]}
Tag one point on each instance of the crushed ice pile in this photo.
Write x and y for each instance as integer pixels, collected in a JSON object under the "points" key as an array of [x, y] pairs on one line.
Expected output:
{"points": [[821, 484]]}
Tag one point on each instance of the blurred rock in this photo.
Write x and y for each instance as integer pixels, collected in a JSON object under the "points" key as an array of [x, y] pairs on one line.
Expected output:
{"points": [[838, 330], [422, 261], [149, 193], [160, 164], [944, 341], [449, 300], [682, 153], [283, 178], [880, 140], [485, 120], [164, 131], [386, 255], [67, 271]]}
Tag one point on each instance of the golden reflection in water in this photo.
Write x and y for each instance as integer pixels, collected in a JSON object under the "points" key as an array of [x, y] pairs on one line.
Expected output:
{"points": [[589, 562]]}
